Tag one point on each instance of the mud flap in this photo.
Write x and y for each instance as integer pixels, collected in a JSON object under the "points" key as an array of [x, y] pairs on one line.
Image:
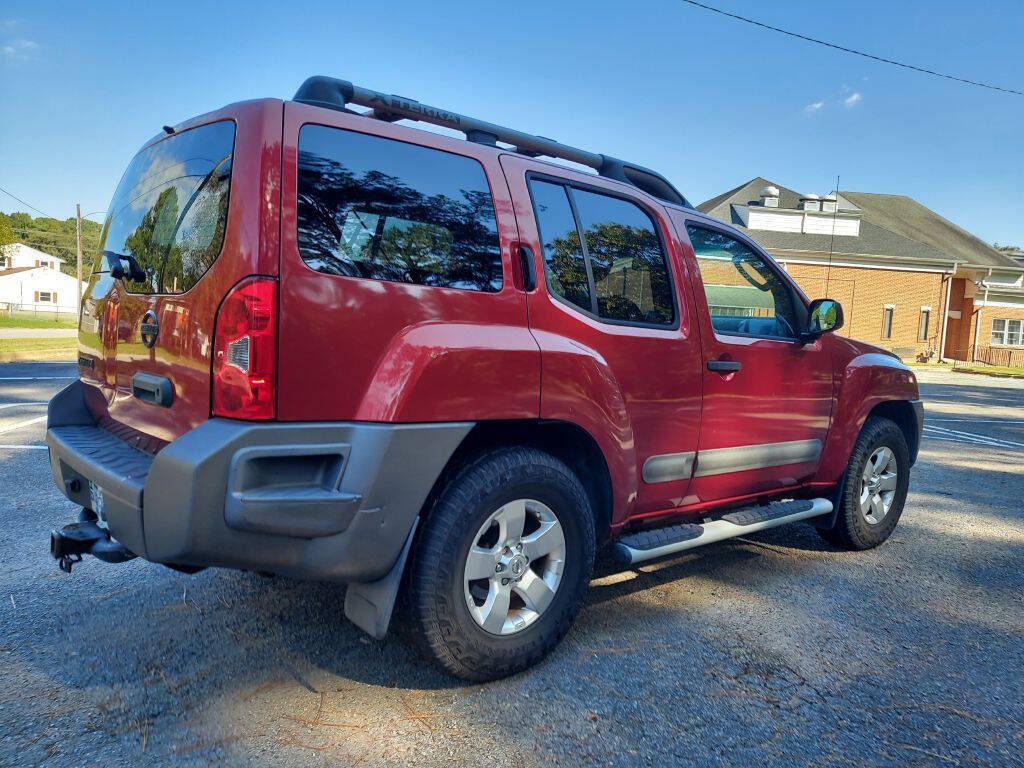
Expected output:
{"points": [[369, 605]]}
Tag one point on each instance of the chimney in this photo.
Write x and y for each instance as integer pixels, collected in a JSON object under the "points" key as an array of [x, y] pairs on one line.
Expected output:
{"points": [[770, 197]]}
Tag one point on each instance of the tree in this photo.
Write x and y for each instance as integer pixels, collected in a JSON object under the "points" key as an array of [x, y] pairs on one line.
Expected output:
{"points": [[6, 236], [52, 236]]}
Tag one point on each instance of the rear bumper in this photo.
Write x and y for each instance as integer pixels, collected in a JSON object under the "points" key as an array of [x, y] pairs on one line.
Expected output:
{"points": [[330, 501]]}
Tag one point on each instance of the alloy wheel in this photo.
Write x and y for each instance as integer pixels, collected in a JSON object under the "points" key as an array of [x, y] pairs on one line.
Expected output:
{"points": [[514, 566], [878, 485]]}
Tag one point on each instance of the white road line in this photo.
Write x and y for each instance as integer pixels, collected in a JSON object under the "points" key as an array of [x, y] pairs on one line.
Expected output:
{"points": [[988, 400], [975, 437], [20, 424], [22, 447], [968, 441], [36, 378], [975, 421], [17, 405]]}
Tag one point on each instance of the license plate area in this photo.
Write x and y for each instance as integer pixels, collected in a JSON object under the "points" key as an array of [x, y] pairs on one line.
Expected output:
{"points": [[96, 500]]}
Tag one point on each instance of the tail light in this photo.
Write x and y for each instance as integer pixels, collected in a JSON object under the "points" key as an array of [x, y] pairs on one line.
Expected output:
{"points": [[245, 351]]}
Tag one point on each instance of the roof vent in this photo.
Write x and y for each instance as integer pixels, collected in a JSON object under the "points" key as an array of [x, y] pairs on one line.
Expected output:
{"points": [[810, 202], [770, 197], [829, 204]]}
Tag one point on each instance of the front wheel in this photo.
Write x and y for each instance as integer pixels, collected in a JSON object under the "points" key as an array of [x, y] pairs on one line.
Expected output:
{"points": [[874, 487], [502, 565]]}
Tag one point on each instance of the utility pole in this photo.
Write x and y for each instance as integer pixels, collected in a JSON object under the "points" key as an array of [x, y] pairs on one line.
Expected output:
{"points": [[78, 254]]}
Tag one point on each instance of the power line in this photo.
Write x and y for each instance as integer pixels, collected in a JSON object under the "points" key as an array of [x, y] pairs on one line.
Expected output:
{"points": [[851, 50], [24, 203]]}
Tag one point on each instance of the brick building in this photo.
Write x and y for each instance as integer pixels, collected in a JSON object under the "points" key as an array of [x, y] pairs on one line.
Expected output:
{"points": [[908, 279]]}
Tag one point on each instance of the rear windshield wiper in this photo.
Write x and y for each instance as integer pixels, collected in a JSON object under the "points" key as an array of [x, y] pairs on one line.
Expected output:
{"points": [[135, 271]]}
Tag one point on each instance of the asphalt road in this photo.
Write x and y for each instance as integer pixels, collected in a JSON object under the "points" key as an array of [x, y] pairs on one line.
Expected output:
{"points": [[774, 650]]}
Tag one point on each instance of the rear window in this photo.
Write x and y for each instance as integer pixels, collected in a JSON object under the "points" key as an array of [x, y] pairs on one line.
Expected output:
{"points": [[170, 210], [387, 210]]}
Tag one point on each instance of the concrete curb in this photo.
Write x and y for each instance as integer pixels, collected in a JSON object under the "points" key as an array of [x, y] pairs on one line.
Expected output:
{"points": [[992, 374]]}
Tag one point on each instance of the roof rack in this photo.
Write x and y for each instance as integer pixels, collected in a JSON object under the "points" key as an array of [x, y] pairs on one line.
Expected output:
{"points": [[336, 94]]}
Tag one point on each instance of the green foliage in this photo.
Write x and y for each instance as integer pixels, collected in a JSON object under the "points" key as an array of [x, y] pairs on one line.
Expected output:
{"points": [[51, 236]]}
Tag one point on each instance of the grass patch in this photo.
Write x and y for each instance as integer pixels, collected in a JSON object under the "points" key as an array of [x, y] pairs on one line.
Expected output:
{"points": [[1005, 371], [28, 321], [32, 345]]}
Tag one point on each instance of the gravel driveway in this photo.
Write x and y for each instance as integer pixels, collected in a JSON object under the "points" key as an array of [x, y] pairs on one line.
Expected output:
{"points": [[771, 650]]}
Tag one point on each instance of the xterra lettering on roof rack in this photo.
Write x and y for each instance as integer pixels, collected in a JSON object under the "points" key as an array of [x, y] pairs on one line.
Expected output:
{"points": [[332, 93]]}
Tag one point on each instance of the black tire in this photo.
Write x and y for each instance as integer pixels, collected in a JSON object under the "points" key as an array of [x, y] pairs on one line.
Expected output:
{"points": [[852, 529], [440, 618]]}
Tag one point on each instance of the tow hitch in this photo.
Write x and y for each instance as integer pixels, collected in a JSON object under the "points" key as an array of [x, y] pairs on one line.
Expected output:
{"points": [[85, 538]]}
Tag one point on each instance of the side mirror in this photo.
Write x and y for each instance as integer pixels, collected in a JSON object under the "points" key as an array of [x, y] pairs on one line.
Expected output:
{"points": [[823, 316]]}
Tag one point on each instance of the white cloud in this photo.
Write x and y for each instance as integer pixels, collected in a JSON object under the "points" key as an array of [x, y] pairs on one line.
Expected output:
{"points": [[852, 100], [18, 49], [813, 107]]}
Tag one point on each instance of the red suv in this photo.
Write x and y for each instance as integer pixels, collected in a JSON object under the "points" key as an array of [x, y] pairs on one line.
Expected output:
{"points": [[321, 344]]}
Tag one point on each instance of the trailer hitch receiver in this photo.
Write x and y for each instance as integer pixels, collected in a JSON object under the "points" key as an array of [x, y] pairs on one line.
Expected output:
{"points": [[68, 544]]}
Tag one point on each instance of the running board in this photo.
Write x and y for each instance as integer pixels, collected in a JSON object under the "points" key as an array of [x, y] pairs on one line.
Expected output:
{"points": [[658, 542]]}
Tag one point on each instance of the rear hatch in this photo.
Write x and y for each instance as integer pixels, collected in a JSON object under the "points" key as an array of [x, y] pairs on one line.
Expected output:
{"points": [[183, 228]]}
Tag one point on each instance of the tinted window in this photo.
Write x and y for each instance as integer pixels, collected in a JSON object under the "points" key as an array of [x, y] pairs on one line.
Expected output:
{"points": [[629, 268], [564, 266], [744, 293], [170, 210], [382, 209]]}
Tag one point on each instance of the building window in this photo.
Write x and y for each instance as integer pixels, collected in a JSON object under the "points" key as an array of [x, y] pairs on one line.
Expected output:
{"points": [[922, 325], [44, 297], [887, 322], [1007, 333]]}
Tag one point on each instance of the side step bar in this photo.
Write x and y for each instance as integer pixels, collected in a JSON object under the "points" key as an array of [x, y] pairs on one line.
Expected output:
{"points": [[658, 542]]}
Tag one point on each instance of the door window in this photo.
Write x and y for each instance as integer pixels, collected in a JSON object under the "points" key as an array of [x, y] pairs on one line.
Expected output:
{"points": [[630, 273], [564, 265], [603, 254], [745, 295]]}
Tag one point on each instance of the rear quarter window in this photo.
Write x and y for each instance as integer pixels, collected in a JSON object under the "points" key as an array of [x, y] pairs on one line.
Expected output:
{"points": [[382, 209]]}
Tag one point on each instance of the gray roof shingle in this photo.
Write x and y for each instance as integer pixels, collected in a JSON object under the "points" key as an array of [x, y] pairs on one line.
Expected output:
{"points": [[892, 226]]}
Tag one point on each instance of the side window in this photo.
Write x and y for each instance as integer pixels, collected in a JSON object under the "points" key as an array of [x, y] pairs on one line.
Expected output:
{"points": [[610, 261], [564, 265], [387, 210], [745, 296], [630, 272]]}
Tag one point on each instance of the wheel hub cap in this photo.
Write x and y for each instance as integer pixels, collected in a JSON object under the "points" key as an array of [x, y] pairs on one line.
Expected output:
{"points": [[514, 566], [878, 485]]}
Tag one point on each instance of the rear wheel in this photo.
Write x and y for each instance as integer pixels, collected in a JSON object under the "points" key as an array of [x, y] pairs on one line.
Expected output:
{"points": [[874, 487], [502, 565]]}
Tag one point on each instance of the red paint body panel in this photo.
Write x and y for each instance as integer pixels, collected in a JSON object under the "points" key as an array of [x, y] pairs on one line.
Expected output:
{"points": [[635, 390], [866, 376], [182, 351], [783, 393], [366, 349]]}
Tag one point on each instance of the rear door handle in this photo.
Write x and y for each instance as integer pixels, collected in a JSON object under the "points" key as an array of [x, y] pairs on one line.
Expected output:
{"points": [[724, 366], [157, 390], [526, 264]]}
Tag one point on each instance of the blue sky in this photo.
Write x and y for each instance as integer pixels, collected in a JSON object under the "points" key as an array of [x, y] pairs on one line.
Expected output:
{"points": [[708, 101]]}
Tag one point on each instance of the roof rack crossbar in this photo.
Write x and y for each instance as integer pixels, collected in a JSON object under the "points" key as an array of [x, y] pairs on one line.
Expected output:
{"points": [[336, 94]]}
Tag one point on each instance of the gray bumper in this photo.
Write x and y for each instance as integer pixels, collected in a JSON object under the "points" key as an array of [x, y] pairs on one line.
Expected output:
{"points": [[331, 501]]}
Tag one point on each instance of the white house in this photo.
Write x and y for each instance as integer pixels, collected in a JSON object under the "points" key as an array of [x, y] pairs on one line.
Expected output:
{"points": [[31, 280]]}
